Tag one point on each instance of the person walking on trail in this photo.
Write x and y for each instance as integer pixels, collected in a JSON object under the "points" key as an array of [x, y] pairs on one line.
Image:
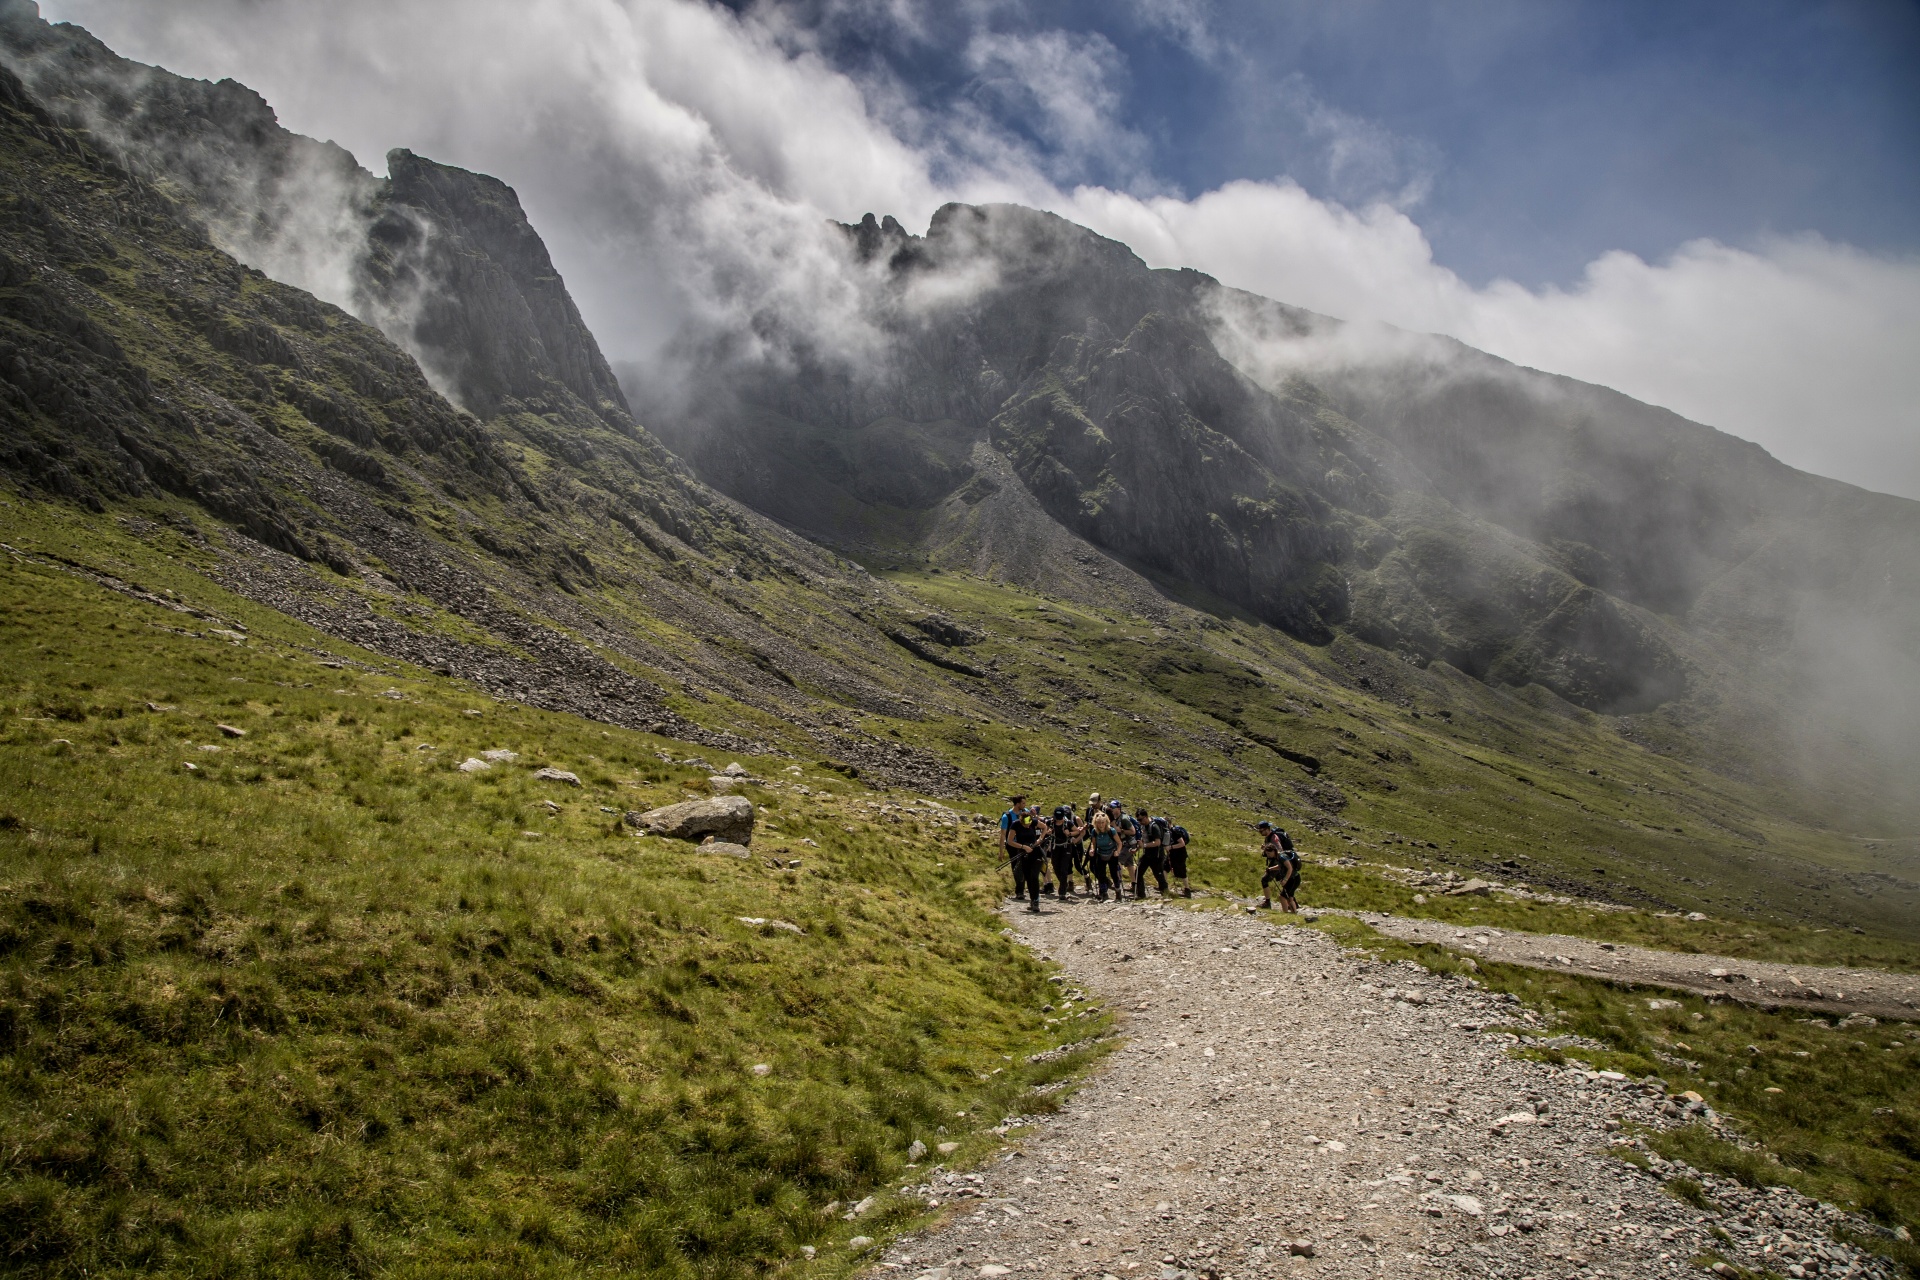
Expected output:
{"points": [[1282, 867], [1023, 855], [1129, 833], [1292, 883], [1153, 854], [1084, 858], [1105, 843], [1177, 857], [1007, 819], [1063, 841]]}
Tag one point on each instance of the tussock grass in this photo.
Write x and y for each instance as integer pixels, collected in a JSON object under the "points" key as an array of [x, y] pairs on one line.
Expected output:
{"points": [[326, 1005]]}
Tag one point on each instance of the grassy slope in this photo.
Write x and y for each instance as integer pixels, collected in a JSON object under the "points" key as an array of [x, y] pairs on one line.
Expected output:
{"points": [[323, 1004], [1842, 1126], [1424, 768]]}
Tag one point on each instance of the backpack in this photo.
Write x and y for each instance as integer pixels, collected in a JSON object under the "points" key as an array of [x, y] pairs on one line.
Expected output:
{"points": [[1160, 830], [1177, 836], [1286, 841]]}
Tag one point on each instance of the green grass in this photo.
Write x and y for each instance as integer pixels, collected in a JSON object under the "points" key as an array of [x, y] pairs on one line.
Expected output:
{"points": [[1835, 1111], [323, 1005]]}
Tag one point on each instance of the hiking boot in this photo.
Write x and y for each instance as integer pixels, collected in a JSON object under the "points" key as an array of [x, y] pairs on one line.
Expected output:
{"points": [[1034, 907], [1186, 893], [1267, 903]]}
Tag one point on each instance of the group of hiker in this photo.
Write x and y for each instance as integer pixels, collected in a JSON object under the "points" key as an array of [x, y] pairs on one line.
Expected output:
{"points": [[1107, 847]]}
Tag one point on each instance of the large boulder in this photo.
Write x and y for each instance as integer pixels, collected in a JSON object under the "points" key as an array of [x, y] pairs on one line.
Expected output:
{"points": [[728, 818]]}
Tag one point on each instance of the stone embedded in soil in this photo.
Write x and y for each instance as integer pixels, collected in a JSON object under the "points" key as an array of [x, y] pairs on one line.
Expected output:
{"points": [[728, 818], [557, 775]]}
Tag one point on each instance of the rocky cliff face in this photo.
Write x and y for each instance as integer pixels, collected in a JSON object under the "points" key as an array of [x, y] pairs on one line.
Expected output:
{"points": [[459, 266], [440, 259], [569, 564], [1104, 386]]}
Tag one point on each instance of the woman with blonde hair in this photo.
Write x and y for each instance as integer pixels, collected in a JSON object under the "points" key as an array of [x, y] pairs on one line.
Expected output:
{"points": [[1106, 855]]}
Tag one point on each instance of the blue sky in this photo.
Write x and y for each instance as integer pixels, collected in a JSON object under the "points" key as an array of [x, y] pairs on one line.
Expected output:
{"points": [[1527, 138]]}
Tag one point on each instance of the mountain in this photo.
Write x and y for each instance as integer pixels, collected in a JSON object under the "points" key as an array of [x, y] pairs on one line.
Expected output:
{"points": [[349, 610], [1428, 499], [1079, 524]]}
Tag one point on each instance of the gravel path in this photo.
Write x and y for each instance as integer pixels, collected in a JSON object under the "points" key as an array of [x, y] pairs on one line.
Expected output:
{"points": [[1279, 1107], [1871, 992]]}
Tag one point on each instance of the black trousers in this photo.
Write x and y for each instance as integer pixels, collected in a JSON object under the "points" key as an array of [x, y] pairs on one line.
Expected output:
{"points": [[1026, 876], [1106, 873], [1063, 869], [1149, 861]]}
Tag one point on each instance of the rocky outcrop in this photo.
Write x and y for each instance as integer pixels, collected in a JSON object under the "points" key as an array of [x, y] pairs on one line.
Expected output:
{"points": [[442, 260], [726, 818], [464, 271]]}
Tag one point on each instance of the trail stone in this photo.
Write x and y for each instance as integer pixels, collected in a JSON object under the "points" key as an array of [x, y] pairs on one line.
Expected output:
{"points": [[1476, 887], [947, 1148], [473, 764], [917, 1152], [557, 775], [860, 1242], [723, 817]]}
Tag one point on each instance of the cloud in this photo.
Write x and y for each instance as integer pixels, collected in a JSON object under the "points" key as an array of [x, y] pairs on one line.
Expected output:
{"points": [[1066, 86], [1799, 344], [681, 160]]}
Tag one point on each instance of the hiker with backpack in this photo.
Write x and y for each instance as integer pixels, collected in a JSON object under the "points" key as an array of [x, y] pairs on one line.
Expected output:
{"points": [[1153, 854], [1282, 867], [1129, 832], [1176, 855], [1063, 842], [1022, 832], [1105, 850]]}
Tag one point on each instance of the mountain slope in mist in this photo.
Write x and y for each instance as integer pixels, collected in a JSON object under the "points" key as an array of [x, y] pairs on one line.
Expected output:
{"points": [[1421, 496]]}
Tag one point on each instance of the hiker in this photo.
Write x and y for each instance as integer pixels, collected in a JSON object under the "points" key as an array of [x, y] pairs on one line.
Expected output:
{"points": [[1292, 883], [1023, 853], [1153, 854], [1129, 832], [1177, 857], [1282, 866], [1084, 858], [1063, 842], [1105, 843]]}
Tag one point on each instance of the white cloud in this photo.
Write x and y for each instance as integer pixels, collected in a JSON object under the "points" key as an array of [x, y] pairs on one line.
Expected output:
{"points": [[681, 162], [1066, 86], [1804, 346]]}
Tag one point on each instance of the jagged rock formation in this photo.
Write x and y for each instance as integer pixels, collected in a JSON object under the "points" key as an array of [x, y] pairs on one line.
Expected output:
{"points": [[486, 301], [440, 259], [139, 362], [1101, 384]]}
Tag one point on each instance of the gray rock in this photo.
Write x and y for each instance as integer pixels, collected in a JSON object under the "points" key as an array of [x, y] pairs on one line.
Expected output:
{"points": [[557, 775], [917, 1152], [473, 764], [726, 847], [727, 818], [1479, 887], [230, 731]]}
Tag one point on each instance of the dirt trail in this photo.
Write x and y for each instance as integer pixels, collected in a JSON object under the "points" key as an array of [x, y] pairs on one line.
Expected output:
{"points": [[1279, 1107], [1870, 992]]}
